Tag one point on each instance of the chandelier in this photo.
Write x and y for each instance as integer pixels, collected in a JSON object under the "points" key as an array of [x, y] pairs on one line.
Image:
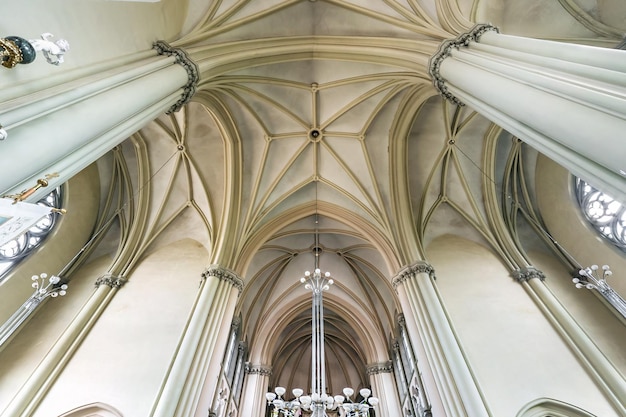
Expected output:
{"points": [[319, 401], [589, 278]]}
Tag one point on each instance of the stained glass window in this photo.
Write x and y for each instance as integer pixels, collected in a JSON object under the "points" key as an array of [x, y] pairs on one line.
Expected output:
{"points": [[607, 215], [17, 249]]}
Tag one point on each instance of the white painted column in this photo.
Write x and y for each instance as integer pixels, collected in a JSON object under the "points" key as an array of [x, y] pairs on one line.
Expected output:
{"points": [[255, 386], [64, 128], [567, 101], [187, 387], [384, 388], [451, 385]]}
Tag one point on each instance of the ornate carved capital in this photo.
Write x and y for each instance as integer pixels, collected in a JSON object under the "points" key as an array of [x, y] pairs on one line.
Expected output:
{"points": [[380, 368], [224, 274], [527, 273], [258, 369], [411, 271], [444, 51], [111, 280], [193, 74]]}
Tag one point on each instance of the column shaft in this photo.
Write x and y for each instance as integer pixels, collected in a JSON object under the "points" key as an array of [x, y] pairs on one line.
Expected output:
{"points": [[424, 313], [186, 383], [384, 388], [256, 385], [567, 101], [66, 127]]}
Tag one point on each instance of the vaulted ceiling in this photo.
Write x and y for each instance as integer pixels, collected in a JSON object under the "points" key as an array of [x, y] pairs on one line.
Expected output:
{"points": [[319, 117]]}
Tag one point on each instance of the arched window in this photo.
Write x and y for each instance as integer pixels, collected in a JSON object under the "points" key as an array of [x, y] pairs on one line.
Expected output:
{"points": [[606, 215], [19, 248]]}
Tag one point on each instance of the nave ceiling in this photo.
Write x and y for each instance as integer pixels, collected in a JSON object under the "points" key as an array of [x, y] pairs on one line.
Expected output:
{"points": [[297, 118]]}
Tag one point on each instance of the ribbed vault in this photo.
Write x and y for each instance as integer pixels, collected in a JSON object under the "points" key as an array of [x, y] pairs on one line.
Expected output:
{"points": [[324, 110]]}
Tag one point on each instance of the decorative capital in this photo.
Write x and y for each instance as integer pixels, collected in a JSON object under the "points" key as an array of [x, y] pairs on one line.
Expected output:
{"points": [[527, 273], [193, 73], [411, 271], [111, 280], [401, 321], [224, 274], [380, 368], [445, 50], [258, 369]]}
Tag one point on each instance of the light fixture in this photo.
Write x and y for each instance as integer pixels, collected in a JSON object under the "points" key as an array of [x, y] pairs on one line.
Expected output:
{"points": [[319, 401], [16, 50], [590, 281], [53, 288]]}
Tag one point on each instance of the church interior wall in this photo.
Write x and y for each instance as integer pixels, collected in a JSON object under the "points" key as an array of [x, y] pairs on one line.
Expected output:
{"points": [[126, 355], [504, 335]]}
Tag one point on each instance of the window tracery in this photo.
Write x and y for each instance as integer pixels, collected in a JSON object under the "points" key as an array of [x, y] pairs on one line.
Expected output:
{"points": [[19, 248], [606, 215]]}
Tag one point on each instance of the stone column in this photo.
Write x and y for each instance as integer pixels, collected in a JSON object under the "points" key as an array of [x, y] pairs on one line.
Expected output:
{"points": [[64, 128], [190, 384], [601, 370], [567, 101], [255, 386], [431, 334], [33, 391], [384, 388]]}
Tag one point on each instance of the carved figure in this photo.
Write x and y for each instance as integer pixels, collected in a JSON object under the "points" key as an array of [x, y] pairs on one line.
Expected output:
{"points": [[52, 51]]}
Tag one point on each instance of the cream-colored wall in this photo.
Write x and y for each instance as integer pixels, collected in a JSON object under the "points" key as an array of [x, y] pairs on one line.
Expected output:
{"points": [[125, 357], [68, 236], [567, 226], [514, 352], [21, 356], [96, 30]]}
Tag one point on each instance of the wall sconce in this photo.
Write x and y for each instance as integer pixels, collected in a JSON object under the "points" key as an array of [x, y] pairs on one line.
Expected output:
{"points": [[16, 50]]}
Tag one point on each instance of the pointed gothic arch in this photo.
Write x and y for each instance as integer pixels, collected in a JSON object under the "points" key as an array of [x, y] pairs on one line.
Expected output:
{"points": [[548, 407], [93, 410]]}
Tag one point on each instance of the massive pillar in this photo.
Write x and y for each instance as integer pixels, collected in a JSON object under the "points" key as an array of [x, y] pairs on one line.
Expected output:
{"points": [[192, 379], [256, 384], [63, 128], [384, 388], [568, 101], [432, 335]]}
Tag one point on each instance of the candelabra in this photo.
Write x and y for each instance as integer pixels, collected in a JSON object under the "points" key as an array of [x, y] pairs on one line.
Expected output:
{"points": [[590, 281], [318, 402], [49, 289]]}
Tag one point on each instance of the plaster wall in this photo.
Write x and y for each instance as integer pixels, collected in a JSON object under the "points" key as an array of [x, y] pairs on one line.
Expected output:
{"points": [[80, 199], [514, 353], [22, 355], [126, 355], [97, 31]]}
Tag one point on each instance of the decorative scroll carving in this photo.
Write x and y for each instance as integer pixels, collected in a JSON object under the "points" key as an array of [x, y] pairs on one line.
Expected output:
{"points": [[111, 281], [527, 273], [258, 369], [193, 74], [380, 368], [444, 51], [411, 271], [224, 275]]}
